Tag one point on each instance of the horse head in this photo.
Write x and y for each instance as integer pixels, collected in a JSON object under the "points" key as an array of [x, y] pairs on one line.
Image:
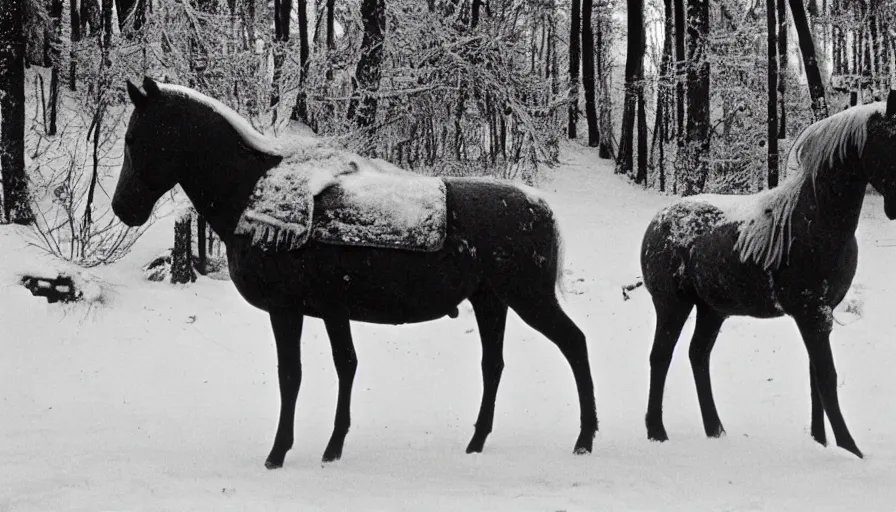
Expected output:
{"points": [[880, 165], [150, 164]]}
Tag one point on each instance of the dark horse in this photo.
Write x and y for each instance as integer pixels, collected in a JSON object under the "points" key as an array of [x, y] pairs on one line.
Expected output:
{"points": [[502, 249], [787, 251]]}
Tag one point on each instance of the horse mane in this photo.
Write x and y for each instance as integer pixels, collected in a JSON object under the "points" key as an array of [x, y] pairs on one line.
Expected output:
{"points": [[250, 136], [764, 234]]}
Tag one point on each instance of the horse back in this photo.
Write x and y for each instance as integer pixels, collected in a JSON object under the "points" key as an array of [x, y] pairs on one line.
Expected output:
{"points": [[496, 233], [688, 252]]}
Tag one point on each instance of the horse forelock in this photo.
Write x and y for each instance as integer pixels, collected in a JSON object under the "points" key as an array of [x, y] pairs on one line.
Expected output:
{"points": [[250, 136], [764, 227]]}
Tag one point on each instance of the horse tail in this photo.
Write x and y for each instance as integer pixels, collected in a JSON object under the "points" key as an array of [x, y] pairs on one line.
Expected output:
{"points": [[560, 251]]}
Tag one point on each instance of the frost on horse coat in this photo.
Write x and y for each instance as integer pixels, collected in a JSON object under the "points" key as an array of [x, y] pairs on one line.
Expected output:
{"points": [[786, 251], [502, 249]]}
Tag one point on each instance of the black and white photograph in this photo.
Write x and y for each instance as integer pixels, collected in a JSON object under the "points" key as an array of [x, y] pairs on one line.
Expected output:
{"points": [[438, 255]]}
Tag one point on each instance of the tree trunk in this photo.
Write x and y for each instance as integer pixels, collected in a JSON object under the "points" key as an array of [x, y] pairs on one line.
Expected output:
{"points": [[772, 95], [331, 36], [182, 254], [300, 110], [75, 20], [782, 68], [810, 62], [588, 74], [16, 203], [474, 13], [282, 12], [634, 73], [606, 139], [56, 18], [574, 27], [202, 256], [368, 72], [698, 96], [681, 62], [641, 176]]}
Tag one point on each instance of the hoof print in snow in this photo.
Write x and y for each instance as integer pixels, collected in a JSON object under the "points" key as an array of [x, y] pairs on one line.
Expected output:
{"points": [[58, 289]]}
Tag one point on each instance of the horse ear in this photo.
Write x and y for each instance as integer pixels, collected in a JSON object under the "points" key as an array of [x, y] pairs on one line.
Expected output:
{"points": [[891, 103], [152, 88], [138, 98]]}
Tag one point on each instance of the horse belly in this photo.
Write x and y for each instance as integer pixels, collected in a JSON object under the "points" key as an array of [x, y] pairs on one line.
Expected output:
{"points": [[735, 288], [368, 285]]}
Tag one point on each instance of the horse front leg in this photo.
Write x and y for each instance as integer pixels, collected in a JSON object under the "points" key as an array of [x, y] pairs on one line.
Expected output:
{"points": [[816, 335], [491, 318], [287, 334], [346, 362]]}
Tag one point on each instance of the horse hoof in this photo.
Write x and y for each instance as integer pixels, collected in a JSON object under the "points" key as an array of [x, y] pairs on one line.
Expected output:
{"points": [[657, 434], [716, 432], [820, 439], [474, 447], [330, 457], [581, 450], [272, 465], [854, 450]]}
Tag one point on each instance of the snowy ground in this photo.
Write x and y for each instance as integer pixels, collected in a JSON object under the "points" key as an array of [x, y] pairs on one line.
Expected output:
{"points": [[165, 398]]}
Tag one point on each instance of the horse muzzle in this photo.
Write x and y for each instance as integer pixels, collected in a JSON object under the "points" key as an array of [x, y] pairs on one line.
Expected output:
{"points": [[130, 216]]}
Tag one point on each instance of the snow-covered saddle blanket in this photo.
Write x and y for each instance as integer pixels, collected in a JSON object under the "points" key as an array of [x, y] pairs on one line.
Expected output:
{"points": [[336, 197]]}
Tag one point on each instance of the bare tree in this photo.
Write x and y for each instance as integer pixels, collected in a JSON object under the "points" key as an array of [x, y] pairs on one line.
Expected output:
{"points": [[366, 81], [300, 110], [16, 202], [574, 41], [588, 74], [810, 62], [698, 97], [772, 95], [782, 68], [634, 76]]}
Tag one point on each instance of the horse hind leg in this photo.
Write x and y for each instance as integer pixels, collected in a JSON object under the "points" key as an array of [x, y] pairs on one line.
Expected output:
{"points": [[491, 318], [287, 334], [346, 362], [817, 426], [706, 331], [816, 336], [670, 318], [545, 315]]}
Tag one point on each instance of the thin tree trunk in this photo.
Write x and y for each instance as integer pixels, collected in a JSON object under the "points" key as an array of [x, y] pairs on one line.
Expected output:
{"points": [[641, 176], [182, 254], [698, 96], [300, 110], [574, 39], [810, 62], [202, 257], [331, 35], [56, 17], [368, 72], [588, 74], [606, 139], [680, 71], [634, 74], [772, 95], [16, 203], [782, 68], [282, 12], [75, 20]]}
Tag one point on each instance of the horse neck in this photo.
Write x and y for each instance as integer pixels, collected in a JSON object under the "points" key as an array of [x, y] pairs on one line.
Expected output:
{"points": [[220, 179], [827, 212]]}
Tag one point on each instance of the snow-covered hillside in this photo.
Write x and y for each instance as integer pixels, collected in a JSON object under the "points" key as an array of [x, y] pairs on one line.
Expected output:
{"points": [[165, 398]]}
